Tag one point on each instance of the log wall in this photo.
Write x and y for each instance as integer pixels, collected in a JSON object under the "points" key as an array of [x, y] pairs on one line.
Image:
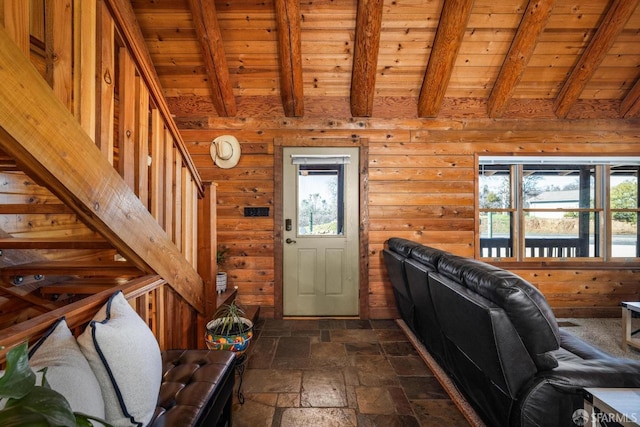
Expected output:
{"points": [[422, 186]]}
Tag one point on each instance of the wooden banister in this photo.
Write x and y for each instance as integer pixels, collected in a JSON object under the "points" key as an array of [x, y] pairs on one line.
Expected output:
{"points": [[76, 314]]}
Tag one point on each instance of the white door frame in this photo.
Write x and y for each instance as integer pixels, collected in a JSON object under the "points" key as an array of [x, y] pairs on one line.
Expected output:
{"points": [[363, 221]]}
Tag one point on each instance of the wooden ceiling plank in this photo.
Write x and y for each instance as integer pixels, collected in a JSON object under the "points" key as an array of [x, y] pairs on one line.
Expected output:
{"points": [[40, 133], [524, 43], [365, 56], [208, 31], [612, 24], [451, 28], [630, 106], [290, 56]]}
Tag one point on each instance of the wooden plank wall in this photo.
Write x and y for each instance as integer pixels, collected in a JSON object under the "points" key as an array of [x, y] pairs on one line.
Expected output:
{"points": [[421, 187]]}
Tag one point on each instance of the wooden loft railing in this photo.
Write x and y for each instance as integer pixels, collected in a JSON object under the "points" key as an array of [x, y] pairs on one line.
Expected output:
{"points": [[106, 149]]}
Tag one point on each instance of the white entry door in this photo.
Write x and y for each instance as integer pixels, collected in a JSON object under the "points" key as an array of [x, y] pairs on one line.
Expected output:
{"points": [[321, 235]]}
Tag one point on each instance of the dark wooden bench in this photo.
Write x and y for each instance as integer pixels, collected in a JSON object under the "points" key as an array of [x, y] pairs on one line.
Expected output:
{"points": [[197, 388]]}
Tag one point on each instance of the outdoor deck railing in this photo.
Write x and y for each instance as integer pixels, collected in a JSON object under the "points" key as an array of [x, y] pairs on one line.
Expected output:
{"points": [[502, 247]]}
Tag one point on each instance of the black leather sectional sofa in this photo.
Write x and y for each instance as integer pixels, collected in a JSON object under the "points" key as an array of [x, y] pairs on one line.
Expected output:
{"points": [[497, 338]]}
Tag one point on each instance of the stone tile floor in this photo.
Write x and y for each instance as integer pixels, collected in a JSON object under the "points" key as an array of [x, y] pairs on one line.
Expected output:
{"points": [[338, 372]]}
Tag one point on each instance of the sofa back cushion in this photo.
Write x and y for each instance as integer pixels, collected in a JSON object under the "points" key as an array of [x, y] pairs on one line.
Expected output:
{"points": [[481, 332], [427, 256], [427, 328], [401, 246], [523, 303], [395, 253], [395, 269]]}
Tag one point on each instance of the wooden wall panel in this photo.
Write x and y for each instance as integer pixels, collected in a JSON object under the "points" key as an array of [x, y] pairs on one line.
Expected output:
{"points": [[421, 187]]}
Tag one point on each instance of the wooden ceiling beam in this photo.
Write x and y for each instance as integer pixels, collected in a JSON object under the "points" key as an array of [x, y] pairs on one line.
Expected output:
{"points": [[612, 24], [40, 133], [205, 20], [365, 57], [630, 106], [533, 22], [451, 28], [290, 56]]}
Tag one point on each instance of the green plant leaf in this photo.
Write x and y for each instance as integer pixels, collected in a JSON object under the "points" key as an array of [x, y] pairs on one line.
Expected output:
{"points": [[229, 316], [18, 379], [46, 402], [84, 420], [34, 405], [15, 418]]}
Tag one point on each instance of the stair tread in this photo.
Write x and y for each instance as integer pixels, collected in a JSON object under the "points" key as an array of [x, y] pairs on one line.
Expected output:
{"points": [[54, 243]]}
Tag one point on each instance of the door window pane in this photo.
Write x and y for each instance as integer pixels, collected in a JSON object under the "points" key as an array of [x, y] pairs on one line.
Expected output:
{"points": [[321, 200]]}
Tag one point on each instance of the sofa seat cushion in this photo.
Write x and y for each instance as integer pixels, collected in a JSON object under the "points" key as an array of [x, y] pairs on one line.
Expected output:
{"points": [[196, 387]]}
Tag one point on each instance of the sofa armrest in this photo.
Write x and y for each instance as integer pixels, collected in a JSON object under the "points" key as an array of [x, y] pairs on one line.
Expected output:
{"points": [[560, 391], [609, 372]]}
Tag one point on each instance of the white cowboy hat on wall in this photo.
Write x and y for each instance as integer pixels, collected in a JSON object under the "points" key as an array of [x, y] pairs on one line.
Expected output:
{"points": [[225, 151]]}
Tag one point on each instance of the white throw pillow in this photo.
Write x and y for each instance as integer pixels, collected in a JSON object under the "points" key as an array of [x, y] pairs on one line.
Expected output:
{"points": [[68, 372], [125, 357]]}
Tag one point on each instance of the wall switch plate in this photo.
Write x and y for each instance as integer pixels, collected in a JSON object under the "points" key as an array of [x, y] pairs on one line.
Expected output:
{"points": [[262, 211]]}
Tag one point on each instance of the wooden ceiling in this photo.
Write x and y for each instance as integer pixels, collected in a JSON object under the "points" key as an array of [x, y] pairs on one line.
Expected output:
{"points": [[413, 58]]}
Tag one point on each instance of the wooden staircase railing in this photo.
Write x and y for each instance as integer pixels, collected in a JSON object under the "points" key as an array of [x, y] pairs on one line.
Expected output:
{"points": [[78, 314], [119, 181]]}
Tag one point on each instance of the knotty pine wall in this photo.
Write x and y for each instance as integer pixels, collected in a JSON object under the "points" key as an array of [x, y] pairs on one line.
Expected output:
{"points": [[421, 186]]}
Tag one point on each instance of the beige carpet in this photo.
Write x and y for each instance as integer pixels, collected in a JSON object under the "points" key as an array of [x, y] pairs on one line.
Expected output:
{"points": [[604, 333]]}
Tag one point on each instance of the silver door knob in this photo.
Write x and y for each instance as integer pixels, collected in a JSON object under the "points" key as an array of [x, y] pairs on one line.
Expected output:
{"points": [[289, 241]]}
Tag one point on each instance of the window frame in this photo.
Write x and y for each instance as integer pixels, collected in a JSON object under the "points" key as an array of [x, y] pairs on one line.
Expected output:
{"points": [[600, 207]]}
